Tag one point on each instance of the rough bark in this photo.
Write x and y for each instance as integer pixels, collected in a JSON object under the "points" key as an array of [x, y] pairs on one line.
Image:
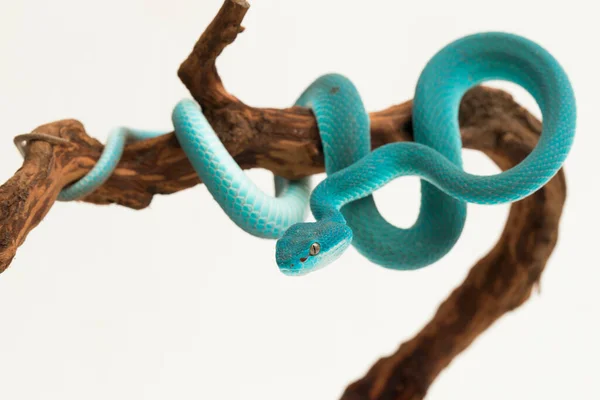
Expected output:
{"points": [[286, 142]]}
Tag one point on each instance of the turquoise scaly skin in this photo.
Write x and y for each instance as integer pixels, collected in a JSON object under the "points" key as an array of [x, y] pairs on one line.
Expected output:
{"points": [[249, 207], [117, 139], [342, 204], [344, 198]]}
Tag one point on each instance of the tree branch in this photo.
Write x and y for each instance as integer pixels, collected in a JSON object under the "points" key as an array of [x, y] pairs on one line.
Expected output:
{"points": [[497, 284], [286, 142]]}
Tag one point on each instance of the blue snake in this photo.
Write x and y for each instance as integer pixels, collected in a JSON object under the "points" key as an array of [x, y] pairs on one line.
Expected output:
{"points": [[342, 204]]}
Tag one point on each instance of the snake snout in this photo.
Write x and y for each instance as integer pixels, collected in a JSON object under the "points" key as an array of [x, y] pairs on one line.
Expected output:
{"points": [[303, 259]]}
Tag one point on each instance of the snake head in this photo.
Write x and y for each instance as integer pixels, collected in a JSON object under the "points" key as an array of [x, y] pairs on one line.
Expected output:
{"points": [[308, 246]]}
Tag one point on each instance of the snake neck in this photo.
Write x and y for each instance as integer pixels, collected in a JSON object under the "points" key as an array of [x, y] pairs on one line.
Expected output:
{"points": [[326, 214]]}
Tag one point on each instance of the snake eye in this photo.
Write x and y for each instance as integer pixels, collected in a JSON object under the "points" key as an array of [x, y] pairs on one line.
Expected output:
{"points": [[314, 249]]}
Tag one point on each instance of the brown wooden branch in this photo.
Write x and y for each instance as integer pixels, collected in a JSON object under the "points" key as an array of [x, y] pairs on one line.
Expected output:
{"points": [[286, 142], [497, 284]]}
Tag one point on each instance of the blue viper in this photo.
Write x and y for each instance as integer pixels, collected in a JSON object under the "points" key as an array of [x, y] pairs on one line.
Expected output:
{"points": [[342, 204]]}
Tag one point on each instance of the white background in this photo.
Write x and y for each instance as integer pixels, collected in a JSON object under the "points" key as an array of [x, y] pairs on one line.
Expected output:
{"points": [[175, 302]]}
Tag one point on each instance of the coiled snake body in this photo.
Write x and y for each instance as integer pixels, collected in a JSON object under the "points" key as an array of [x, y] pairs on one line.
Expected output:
{"points": [[342, 204]]}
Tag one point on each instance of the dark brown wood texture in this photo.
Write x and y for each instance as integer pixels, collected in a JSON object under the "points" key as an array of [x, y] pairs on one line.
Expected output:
{"points": [[286, 142]]}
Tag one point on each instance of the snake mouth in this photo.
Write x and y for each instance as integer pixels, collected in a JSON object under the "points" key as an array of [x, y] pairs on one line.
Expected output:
{"points": [[303, 259]]}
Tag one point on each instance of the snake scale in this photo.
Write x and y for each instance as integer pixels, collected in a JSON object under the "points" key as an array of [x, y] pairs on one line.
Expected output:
{"points": [[342, 204]]}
